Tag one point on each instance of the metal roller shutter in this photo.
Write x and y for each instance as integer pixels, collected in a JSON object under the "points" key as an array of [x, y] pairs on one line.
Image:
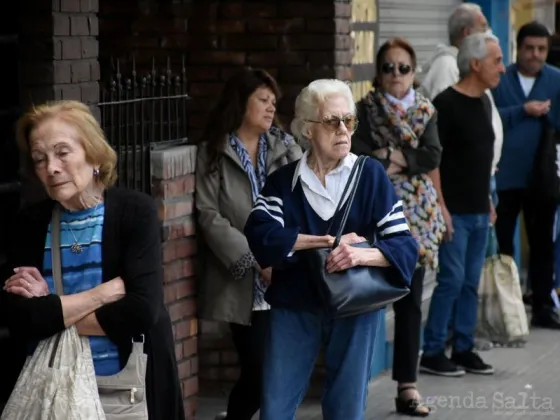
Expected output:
{"points": [[422, 22]]}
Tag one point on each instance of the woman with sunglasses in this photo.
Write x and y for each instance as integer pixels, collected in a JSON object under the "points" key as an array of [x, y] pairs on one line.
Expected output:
{"points": [[398, 127], [292, 214]]}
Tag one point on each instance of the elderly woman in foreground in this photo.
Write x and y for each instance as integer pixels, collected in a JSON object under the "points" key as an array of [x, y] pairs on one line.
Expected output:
{"points": [[111, 259], [292, 214]]}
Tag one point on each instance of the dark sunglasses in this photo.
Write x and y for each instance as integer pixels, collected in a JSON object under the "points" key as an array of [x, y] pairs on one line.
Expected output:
{"points": [[333, 123], [390, 68]]}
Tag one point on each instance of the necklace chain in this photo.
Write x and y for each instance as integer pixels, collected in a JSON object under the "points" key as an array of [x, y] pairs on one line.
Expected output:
{"points": [[76, 248]]}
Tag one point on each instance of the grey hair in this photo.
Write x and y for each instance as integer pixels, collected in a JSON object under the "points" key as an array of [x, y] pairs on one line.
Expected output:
{"points": [[310, 99], [473, 47], [463, 17]]}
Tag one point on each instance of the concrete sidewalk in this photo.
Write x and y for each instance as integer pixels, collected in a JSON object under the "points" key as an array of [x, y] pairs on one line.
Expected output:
{"points": [[526, 385]]}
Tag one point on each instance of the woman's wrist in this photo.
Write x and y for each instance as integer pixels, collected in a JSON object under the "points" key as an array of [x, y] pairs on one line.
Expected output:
{"points": [[312, 241], [373, 257], [108, 292]]}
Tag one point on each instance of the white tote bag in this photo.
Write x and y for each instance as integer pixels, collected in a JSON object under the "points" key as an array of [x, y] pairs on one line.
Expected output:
{"points": [[501, 313], [57, 382]]}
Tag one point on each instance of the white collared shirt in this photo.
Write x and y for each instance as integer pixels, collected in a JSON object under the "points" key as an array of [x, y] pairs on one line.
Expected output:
{"points": [[324, 200]]}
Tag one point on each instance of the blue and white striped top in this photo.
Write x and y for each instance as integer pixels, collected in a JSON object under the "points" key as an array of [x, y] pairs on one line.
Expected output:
{"points": [[282, 212], [83, 271]]}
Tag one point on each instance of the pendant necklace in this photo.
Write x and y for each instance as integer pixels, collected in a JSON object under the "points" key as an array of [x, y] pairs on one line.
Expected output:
{"points": [[76, 248]]}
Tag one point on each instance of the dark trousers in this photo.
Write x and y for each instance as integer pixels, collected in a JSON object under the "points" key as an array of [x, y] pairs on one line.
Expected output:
{"points": [[408, 324], [538, 213], [245, 397]]}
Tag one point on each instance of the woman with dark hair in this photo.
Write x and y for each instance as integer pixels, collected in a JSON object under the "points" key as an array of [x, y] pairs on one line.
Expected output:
{"points": [[398, 127], [242, 144]]}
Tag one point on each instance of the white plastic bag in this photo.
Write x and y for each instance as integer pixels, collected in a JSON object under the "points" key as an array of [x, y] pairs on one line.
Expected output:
{"points": [[501, 313], [57, 382]]}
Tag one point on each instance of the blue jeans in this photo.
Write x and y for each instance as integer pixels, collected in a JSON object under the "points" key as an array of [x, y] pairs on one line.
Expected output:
{"points": [[460, 266], [557, 250], [292, 345], [493, 191]]}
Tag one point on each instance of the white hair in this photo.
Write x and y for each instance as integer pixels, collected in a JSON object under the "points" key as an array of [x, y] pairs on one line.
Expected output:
{"points": [[473, 47], [463, 17], [311, 98]]}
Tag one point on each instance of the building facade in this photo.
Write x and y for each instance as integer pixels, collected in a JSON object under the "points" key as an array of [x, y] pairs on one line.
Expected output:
{"points": [[152, 69]]}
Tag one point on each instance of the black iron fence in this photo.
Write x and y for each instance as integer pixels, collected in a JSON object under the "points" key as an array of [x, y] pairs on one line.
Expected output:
{"points": [[140, 112]]}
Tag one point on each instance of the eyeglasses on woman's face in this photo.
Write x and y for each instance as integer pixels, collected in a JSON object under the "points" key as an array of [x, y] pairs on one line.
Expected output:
{"points": [[332, 123], [393, 68]]}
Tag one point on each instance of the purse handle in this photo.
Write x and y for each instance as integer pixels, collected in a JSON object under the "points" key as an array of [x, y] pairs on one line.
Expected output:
{"points": [[56, 269], [55, 252], [352, 185]]}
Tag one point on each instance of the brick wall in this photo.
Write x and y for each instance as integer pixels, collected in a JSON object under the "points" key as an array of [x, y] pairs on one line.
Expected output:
{"points": [[173, 188], [59, 50], [296, 41]]}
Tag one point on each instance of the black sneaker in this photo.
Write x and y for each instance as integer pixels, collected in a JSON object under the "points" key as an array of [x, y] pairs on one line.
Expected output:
{"points": [[439, 364], [472, 363]]}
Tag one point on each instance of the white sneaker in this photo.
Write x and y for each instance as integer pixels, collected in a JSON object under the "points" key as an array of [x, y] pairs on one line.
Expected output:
{"points": [[221, 416]]}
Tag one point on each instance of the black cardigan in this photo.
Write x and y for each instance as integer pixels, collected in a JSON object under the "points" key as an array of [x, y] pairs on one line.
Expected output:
{"points": [[132, 250]]}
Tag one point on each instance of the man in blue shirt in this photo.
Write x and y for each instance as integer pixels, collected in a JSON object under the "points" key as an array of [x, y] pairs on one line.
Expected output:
{"points": [[527, 99]]}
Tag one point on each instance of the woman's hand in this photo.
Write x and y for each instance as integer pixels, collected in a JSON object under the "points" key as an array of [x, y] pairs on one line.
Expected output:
{"points": [[266, 275], [350, 238], [344, 257], [393, 169], [27, 282], [397, 157], [381, 153]]}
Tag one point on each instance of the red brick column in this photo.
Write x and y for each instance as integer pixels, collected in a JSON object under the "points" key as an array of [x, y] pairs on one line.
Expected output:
{"points": [[173, 187]]}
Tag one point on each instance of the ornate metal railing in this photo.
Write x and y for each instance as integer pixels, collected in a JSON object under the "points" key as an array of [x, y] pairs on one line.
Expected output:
{"points": [[139, 113]]}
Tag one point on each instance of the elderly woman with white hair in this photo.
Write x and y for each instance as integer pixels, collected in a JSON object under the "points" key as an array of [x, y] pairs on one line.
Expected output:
{"points": [[295, 212]]}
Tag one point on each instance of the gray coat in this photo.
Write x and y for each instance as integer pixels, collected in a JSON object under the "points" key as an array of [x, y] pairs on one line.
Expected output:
{"points": [[223, 203]]}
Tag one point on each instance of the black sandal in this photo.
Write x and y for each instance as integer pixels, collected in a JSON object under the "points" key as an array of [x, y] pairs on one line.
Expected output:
{"points": [[412, 407]]}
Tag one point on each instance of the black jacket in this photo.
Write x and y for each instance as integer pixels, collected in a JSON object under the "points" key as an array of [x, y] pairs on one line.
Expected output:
{"points": [[132, 250]]}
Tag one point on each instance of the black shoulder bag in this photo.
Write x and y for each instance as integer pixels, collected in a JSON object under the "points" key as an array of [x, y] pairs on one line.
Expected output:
{"points": [[358, 289]]}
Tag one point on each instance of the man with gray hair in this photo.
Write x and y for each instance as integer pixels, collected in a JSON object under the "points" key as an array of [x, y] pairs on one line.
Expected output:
{"points": [[463, 186], [442, 71]]}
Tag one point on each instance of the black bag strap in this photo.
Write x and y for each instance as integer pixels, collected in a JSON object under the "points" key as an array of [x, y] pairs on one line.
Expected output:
{"points": [[350, 189]]}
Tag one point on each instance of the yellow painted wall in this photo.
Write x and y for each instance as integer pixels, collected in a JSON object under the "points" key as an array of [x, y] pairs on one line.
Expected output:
{"points": [[523, 11], [364, 43]]}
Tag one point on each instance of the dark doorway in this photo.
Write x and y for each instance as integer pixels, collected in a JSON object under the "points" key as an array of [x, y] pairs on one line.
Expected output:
{"points": [[9, 163], [9, 112]]}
